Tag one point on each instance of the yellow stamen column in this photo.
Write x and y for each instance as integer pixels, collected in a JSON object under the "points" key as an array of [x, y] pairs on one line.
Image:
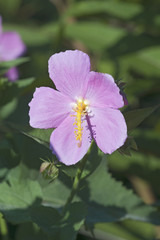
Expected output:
{"points": [[81, 109]]}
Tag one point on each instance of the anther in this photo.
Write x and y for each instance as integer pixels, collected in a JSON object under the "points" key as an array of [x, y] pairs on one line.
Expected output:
{"points": [[81, 109]]}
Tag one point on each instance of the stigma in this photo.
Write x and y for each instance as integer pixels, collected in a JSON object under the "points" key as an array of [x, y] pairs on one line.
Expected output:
{"points": [[80, 108]]}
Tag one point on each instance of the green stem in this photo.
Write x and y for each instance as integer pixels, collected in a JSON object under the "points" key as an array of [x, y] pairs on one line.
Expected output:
{"points": [[3, 228], [75, 183], [60, 35]]}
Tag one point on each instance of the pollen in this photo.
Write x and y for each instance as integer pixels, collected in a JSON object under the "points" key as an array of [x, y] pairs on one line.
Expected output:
{"points": [[80, 108]]}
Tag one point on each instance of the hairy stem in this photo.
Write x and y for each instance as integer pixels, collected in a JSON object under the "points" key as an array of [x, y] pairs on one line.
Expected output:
{"points": [[3, 228], [75, 183]]}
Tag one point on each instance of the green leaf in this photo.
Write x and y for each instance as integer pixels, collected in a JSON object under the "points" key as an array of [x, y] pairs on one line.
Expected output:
{"points": [[109, 201], [148, 140], [144, 61], [56, 193], [8, 108], [128, 229], [134, 44], [135, 117], [31, 153], [90, 33], [8, 158], [135, 165], [30, 231], [121, 9], [11, 90], [17, 196], [44, 35], [128, 145], [151, 55], [23, 83], [41, 136], [4, 66], [58, 226]]}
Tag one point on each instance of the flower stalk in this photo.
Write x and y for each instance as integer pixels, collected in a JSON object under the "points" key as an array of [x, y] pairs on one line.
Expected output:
{"points": [[3, 228], [75, 183]]}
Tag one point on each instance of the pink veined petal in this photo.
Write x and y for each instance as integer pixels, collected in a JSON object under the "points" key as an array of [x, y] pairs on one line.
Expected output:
{"points": [[103, 92], [11, 46], [109, 77], [64, 144], [109, 127], [48, 108], [12, 74], [69, 71]]}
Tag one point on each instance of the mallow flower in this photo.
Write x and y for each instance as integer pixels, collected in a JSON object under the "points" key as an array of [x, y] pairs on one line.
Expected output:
{"points": [[11, 47], [84, 108]]}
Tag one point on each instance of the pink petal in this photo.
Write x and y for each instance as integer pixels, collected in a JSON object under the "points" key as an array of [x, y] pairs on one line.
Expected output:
{"points": [[48, 108], [69, 71], [12, 74], [109, 77], [64, 144], [110, 129], [103, 92], [11, 46]]}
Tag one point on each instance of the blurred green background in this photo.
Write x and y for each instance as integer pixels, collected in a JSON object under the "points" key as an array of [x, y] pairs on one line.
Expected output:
{"points": [[122, 38]]}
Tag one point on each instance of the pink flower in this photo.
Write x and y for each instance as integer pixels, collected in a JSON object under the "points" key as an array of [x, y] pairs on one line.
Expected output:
{"points": [[11, 47], [85, 107]]}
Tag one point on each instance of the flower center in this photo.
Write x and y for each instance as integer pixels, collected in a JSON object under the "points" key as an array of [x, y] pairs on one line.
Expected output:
{"points": [[80, 108]]}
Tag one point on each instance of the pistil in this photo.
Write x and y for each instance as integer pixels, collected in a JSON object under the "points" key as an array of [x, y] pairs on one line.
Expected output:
{"points": [[80, 109]]}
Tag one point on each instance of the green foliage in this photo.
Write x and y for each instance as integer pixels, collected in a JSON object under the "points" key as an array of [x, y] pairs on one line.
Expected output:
{"points": [[30, 231], [118, 195], [4, 66], [8, 158], [9, 90], [39, 135], [132, 230], [90, 34], [44, 35], [135, 117], [116, 202], [18, 196], [122, 10], [57, 226]]}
